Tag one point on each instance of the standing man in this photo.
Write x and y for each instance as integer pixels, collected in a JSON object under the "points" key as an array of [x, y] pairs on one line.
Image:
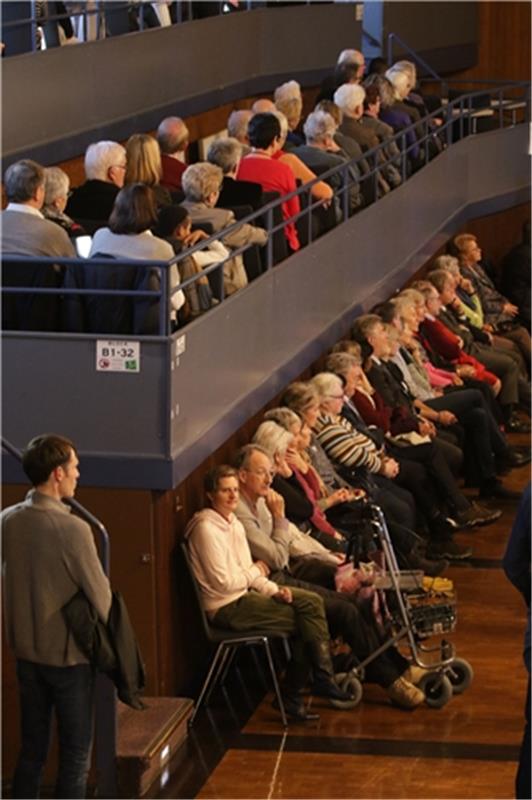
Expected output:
{"points": [[48, 556]]}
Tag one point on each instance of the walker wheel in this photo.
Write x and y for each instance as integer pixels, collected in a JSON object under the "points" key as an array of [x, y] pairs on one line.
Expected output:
{"points": [[348, 683], [438, 689], [460, 674]]}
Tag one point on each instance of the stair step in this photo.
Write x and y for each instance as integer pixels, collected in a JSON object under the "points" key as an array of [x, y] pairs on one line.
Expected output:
{"points": [[146, 741]]}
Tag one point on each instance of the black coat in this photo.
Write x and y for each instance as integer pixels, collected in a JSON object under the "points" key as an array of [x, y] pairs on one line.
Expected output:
{"points": [[93, 200], [112, 647]]}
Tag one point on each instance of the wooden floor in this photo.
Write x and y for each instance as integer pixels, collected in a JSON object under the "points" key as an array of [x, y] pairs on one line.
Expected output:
{"points": [[468, 749]]}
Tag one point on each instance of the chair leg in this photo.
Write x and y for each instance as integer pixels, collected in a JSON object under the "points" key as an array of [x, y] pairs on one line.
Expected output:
{"points": [[227, 651], [206, 684], [227, 664], [277, 688]]}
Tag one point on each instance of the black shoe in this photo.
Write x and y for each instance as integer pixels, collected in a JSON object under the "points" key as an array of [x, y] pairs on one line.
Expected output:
{"points": [[430, 567], [494, 489], [324, 684], [295, 709], [516, 425], [513, 458], [447, 548]]}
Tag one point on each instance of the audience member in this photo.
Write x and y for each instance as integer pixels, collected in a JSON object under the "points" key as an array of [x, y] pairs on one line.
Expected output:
{"points": [[56, 191], [516, 271], [25, 231], [289, 101], [237, 127], [202, 183], [226, 154], [144, 165], [264, 131], [263, 106], [172, 136], [105, 171]]}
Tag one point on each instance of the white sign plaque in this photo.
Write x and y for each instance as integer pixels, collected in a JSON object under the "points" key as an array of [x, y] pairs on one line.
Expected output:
{"points": [[117, 356]]}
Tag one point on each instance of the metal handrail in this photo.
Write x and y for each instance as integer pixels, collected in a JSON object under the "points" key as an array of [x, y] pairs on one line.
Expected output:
{"points": [[465, 120], [105, 697]]}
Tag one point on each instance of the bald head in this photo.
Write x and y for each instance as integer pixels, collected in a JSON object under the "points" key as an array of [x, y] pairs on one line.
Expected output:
{"points": [[172, 135], [263, 106]]}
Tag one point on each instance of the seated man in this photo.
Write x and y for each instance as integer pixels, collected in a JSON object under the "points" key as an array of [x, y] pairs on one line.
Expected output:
{"points": [[237, 593], [202, 183], [515, 276], [237, 126], [25, 231], [105, 170], [226, 154], [499, 313], [172, 136], [272, 539], [321, 153]]}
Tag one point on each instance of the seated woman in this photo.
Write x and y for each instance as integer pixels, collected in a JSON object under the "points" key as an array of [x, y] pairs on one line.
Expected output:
{"points": [[392, 114], [129, 236], [174, 225], [202, 183], [289, 101], [56, 192], [349, 446], [260, 166], [144, 166], [299, 489]]}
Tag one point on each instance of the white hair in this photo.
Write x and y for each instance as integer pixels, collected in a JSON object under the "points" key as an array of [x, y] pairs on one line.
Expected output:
{"points": [[327, 383], [400, 82], [225, 153], [349, 96], [408, 67], [272, 438], [287, 91], [100, 157], [283, 416], [201, 180], [289, 100], [237, 124], [56, 184], [319, 126], [448, 263], [351, 57]]}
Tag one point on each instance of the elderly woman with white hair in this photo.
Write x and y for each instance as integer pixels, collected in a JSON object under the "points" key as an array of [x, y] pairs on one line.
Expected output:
{"points": [[56, 192], [289, 100], [350, 99], [300, 489], [202, 183]]}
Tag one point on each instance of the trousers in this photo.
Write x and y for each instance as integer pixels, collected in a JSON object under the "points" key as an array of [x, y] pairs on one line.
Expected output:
{"points": [[70, 691]]}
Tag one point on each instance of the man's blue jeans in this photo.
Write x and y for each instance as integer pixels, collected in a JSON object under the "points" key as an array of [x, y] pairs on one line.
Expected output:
{"points": [[70, 690]]}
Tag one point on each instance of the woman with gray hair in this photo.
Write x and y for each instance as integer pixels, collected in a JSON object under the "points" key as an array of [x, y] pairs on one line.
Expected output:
{"points": [[289, 100], [226, 152], [202, 183], [56, 193]]}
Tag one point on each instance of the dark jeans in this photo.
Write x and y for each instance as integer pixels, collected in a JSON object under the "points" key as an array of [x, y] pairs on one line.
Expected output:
{"points": [[70, 690]]}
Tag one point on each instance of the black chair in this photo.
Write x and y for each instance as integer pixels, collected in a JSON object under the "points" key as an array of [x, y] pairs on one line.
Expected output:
{"points": [[227, 644], [28, 311]]}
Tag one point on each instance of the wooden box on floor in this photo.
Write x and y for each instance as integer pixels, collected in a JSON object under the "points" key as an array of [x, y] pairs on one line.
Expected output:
{"points": [[147, 740]]}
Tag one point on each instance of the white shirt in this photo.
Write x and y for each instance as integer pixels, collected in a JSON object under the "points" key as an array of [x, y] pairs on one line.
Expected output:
{"points": [[24, 209]]}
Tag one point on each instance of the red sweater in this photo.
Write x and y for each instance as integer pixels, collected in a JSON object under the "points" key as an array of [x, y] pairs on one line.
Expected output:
{"points": [[445, 343], [273, 176]]}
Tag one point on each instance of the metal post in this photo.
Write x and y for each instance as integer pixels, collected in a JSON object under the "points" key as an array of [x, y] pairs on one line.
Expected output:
{"points": [[345, 190], [403, 156], [269, 243]]}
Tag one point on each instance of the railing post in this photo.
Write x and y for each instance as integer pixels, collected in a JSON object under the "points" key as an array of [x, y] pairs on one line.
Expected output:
{"points": [[501, 115], [403, 156], [345, 191], [309, 215], [164, 309], [449, 115], [269, 243]]}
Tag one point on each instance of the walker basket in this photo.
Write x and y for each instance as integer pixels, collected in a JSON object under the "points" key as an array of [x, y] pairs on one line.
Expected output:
{"points": [[431, 613]]}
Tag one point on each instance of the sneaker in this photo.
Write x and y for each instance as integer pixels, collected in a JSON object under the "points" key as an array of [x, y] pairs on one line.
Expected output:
{"points": [[405, 694], [477, 515], [415, 674], [447, 548]]}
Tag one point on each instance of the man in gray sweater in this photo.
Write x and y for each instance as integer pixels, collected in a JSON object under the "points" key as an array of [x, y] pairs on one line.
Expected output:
{"points": [[48, 556]]}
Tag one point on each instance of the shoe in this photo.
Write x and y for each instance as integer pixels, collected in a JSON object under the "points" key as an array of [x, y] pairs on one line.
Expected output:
{"points": [[516, 425], [324, 684], [477, 515], [493, 489], [295, 709], [512, 459], [415, 674], [431, 567], [447, 548], [405, 694]]}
